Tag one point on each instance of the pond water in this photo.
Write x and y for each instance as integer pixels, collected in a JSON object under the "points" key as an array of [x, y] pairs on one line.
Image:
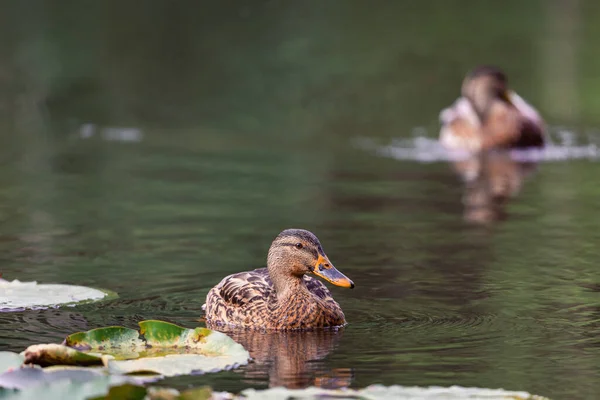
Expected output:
{"points": [[154, 151]]}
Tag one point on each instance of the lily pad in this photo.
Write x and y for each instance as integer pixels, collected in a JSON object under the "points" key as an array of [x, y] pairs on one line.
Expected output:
{"points": [[38, 383], [9, 360], [109, 388], [19, 296], [118, 340], [57, 354], [159, 348], [28, 377], [97, 387], [380, 392], [127, 391]]}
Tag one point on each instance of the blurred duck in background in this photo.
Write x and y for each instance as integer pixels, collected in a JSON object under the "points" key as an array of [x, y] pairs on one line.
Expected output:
{"points": [[486, 121], [488, 116]]}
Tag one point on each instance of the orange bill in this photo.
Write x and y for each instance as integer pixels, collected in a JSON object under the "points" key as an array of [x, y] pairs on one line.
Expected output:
{"points": [[325, 269]]}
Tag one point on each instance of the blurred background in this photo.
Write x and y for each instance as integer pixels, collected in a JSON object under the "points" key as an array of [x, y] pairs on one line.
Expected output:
{"points": [[153, 148]]}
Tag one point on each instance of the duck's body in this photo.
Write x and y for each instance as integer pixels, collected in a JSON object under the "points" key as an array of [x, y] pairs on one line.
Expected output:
{"points": [[489, 116], [248, 299], [280, 297]]}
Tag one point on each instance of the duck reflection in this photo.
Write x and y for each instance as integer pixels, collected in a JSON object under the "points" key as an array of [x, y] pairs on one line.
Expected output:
{"points": [[291, 359], [491, 180]]}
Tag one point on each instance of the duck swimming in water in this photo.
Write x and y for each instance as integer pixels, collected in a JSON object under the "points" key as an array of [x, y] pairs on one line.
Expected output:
{"points": [[281, 296], [490, 116]]}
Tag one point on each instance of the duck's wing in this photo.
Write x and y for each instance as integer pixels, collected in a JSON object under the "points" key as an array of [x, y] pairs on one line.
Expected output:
{"points": [[460, 126], [245, 287], [239, 299], [526, 109]]}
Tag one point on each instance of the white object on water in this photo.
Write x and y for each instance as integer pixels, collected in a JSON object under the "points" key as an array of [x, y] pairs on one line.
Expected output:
{"points": [[16, 295]]}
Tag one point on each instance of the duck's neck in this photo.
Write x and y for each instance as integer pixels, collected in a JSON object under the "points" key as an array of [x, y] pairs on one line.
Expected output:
{"points": [[287, 286]]}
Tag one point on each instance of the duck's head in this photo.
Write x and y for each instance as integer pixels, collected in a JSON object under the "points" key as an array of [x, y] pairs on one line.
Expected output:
{"points": [[295, 252], [483, 86]]}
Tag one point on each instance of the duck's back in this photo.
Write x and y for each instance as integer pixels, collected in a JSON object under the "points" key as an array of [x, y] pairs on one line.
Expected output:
{"points": [[508, 126], [247, 299]]}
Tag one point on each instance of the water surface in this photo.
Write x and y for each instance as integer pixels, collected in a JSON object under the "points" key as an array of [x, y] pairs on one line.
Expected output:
{"points": [[152, 151]]}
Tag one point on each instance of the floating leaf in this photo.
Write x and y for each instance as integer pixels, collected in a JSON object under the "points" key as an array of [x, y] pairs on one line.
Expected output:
{"points": [[110, 340], [379, 392], [96, 387], [36, 383], [23, 378], [18, 296], [57, 354], [175, 364], [165, 334], [9, 360], [200, 393], [162, 348], [127, 391]]}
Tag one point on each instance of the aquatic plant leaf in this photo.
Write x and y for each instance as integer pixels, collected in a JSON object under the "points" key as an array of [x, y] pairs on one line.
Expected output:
{"points": [[112, 338], [174, 364], [166, 334], [9, 360], [27, 377], [57, 354], [72, 383], [199, 393], [160, 348], [97, 387], [196, 351], [379, 392], [19, 296], [127, 391]]}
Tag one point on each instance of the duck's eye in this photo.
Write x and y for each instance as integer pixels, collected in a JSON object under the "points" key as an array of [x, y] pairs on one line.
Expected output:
{"points": [[299, 246]]}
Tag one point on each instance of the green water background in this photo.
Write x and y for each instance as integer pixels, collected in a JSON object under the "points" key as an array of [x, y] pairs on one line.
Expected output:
{"points": [[152, 149]]}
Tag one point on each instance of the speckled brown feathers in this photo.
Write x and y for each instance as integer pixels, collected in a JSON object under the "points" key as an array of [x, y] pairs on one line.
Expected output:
{"points": [[248, 299], [281, 296]]}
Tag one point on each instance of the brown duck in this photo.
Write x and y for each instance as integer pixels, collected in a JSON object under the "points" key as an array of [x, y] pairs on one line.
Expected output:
{"points": [[281, 296], [490, 116]]}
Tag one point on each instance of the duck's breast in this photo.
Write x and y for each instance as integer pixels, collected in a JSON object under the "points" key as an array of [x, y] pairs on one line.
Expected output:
{"points": [[460, 126]]}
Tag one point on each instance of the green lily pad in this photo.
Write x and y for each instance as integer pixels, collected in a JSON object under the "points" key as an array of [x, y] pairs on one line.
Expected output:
{"points": [[159, 348], [9, 360], [200, 393], [127, 391], [19, 296], [113, 339], [165, 334]]}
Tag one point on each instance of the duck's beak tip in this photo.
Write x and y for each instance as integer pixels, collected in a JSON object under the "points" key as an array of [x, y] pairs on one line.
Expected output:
{"points": [[327, 271]]}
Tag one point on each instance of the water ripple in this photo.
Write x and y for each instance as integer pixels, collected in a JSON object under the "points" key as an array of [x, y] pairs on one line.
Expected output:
{"points": [[563, 144]]}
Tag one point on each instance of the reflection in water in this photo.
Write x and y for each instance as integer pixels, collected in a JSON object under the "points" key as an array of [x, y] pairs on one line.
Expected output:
{"points": [[121, 134], [291, 359], [490, 180]]}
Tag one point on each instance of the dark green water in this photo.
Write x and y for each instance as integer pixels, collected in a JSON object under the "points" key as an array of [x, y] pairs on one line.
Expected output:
{"points": [[243, 119]]}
